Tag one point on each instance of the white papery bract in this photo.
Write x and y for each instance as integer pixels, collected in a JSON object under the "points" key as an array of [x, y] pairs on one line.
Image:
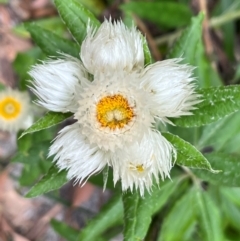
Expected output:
{"points": [[116, 108], [112, 46], [56, 83], [15, 113], [172, 88], [76, 154], [143, 161]]}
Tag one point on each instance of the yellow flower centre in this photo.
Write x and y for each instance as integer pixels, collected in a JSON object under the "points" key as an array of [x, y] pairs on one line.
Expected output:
{"points": [[114, 111], [10, 108], [138, 168]]}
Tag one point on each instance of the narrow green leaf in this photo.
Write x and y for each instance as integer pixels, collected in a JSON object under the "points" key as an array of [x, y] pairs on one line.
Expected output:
{"points": [[232, 194], [33, 170], [165, 14], [50, 119], [231, 211], [186, 45], [138, 211], [76, 17], [33, 154], [99, 179], [229, 164], [54, 179], [209, 217], [131, 202], [223, 135], [95, 6], [147, 53], [50, 43], [128, 19], [205, 75], [64, 230], [228, 29], [53, 24], [29, 58], [188, 155], [236, 77], [24, 144], [181, 219], [190, 47], [110, 215], [217, 102]]}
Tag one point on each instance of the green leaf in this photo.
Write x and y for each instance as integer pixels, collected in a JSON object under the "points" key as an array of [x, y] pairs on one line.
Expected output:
{"points": [[230, 210], [223, 135], [147, 53], [33, 154], [53, 24], [233, 194], [217, 102], [64, 230], [228, 29], [95, 6], [165, 14], [29, 58], [209, 218], [190, 47], [186, 45], [33, 170], [36, 139], [54, 179], [138, 211], [50, 43], [236, 77], [98, 179], [24, 143], [110, 215], [229, 164], [181, 219], [76, 17], [50, 119], [128, 19], [188, 155], [206, 76]]}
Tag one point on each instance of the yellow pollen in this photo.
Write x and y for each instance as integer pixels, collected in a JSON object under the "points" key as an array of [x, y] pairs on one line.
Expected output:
{"points": [[139, 168], [114, 111], [10, 108]]}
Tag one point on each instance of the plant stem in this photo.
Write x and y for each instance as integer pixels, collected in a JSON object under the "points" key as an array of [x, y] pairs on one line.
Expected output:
{"points": [[213, 22], [225, 18]]}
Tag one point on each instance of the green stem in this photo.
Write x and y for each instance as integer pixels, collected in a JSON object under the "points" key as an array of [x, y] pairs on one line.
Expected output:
{"points": [[196, 180], [214, 22], [225, 18]]}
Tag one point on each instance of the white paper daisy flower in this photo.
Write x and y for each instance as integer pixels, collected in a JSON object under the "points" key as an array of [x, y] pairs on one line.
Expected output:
{"points": [[115, 101], [14, 110]]}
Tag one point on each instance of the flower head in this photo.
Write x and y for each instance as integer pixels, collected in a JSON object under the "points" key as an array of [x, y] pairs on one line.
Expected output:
{"points": [[14, 110], [125, 46], [115, 109]]}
